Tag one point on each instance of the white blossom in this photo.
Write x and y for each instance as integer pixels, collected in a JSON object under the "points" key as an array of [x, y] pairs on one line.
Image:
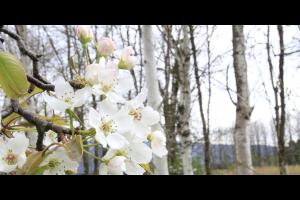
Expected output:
{"points": [[58, 162], [136, 153], [12, 152], [115, 166], [107, 131], [137, 118], [66, 98]]}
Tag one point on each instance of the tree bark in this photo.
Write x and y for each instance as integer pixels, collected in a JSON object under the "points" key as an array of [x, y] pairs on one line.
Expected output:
{"points": [[279, 97], [243, 109], [184, 107], [154, 98], [170, 100], [205, 129], [281, 130]]}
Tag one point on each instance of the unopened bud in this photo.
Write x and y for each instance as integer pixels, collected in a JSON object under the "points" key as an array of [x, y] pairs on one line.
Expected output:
{"points": [[84, 33]]}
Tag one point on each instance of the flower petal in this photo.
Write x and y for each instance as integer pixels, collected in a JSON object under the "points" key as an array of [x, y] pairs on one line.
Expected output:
{"points": [[123, 120], [116, 141], [81, 96], [110, 154], [158, 144], [63, 88], [149, 116], [56, 104], [139, 100], [100, 137], [125, 83], [140, 153], [19, 143], [94, 118], [133, 168], [116, 165], [5, 168], [108, 107], [140, 130]]}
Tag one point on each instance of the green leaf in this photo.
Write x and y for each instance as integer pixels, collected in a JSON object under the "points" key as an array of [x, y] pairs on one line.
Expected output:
{"points": [[57, 120], [36, 90], [13, 78], [10, 119], [32, 163]]}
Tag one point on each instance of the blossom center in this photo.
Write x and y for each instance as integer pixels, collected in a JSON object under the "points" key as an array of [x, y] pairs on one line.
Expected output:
{"points": [[68, 100], [11, 158], [106, 126], [53, 163], [106, 87], [122, 153], [136, 114]]}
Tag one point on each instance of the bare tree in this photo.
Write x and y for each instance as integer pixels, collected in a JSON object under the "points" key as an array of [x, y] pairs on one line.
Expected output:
{"points": [[205, 128], [243, 109], [279, 96]]}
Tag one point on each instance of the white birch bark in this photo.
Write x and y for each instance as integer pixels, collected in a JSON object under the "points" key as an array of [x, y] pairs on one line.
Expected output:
{"points": [[243, 109], [154, 98], [185, 105]]}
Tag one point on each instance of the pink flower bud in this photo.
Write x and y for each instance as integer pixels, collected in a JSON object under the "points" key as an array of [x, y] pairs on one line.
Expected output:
{"points": [[105, 47], [127, 60], [84, 33]]}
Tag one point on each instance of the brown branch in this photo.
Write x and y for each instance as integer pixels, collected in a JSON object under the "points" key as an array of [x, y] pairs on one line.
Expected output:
{"points": [[41, 135], [21, 44], [228, 89], [35, 120], [288, 54], [40, 84]]}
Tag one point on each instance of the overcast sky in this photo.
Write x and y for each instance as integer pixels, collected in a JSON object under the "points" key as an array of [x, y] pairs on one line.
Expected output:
{"points": [[222, 110]]}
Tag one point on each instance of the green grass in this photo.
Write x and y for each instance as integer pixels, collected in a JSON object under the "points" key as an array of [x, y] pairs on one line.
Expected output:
{"points": [[266, 170]]}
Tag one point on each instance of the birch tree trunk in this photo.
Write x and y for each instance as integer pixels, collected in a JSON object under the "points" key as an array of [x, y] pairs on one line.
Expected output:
{"points": [[281, 127], [243, 109], [184, 107], [154, 98]]}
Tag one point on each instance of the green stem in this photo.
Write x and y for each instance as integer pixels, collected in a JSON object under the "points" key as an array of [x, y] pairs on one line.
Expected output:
{"points": [[89, 133], [87, 138], [97, 59], [71, 122], [86, 54], [89, 153], [91, 145]]}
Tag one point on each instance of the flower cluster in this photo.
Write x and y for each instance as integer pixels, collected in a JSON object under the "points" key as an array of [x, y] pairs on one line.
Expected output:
{"points": [[121, 126]]}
